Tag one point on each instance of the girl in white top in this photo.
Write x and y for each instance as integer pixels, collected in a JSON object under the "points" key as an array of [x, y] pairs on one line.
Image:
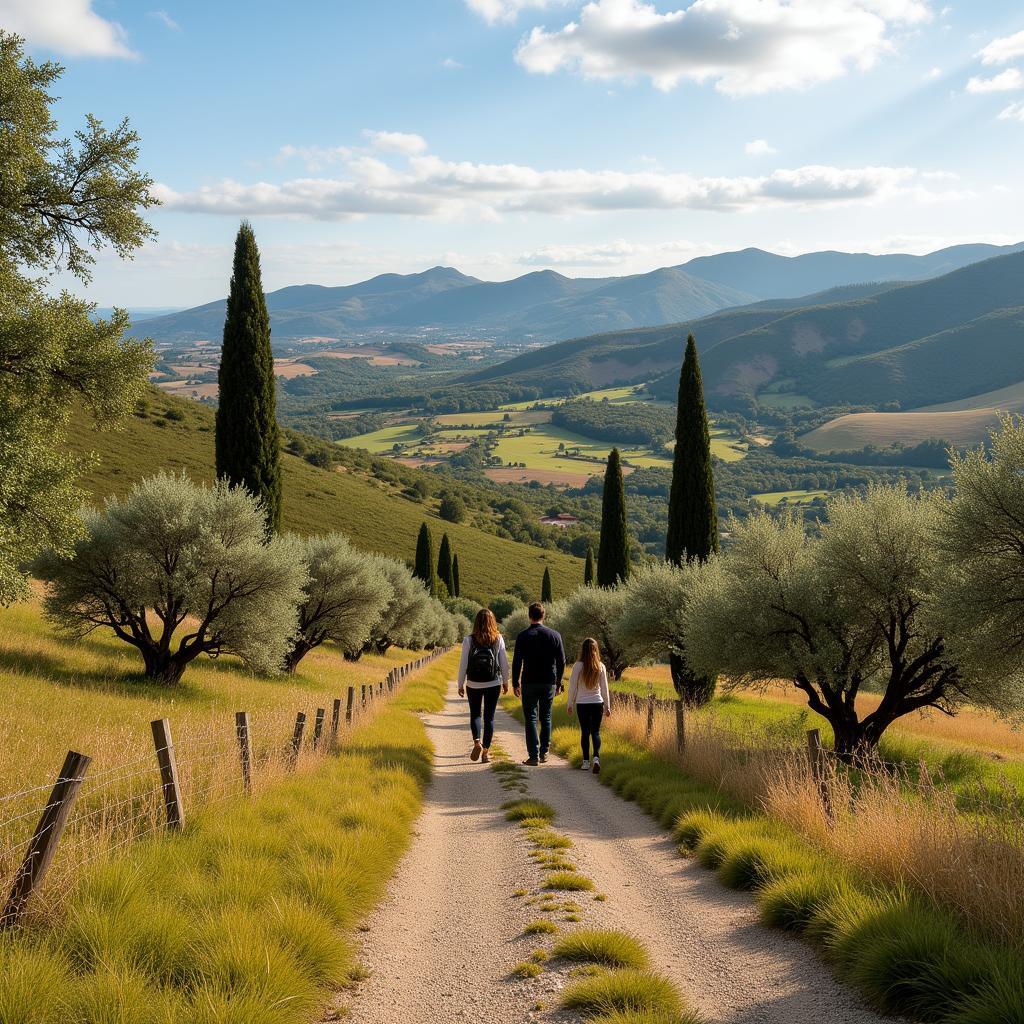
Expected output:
{"points": [[483, 672], [588, 694]]}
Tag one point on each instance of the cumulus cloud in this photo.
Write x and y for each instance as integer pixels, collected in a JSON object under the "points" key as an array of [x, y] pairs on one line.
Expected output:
{"points": [[1006, 81], [316, 158], [744, 47], [425, 185], [610, 254], [70, 27], [759, 147], [451, 63], [1003, 49], [493, 11], [397, 142], [1014, 112]]}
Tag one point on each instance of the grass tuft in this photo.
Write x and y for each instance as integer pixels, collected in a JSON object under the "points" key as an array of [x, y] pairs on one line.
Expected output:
{"points": [[526, 969], [602, 946], [528, 810], [623, 991], [541, 927], [568, 881]]}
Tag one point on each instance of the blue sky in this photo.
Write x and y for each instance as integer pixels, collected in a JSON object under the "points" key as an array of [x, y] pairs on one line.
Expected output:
{"points": [[501, 136]]}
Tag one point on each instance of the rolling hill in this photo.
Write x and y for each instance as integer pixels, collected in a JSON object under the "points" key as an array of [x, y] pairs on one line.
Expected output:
{"points": [[374, 516], [548, 306]]}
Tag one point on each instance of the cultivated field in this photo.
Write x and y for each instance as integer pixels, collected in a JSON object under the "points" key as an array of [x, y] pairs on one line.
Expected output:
{"points": [[855, 430]]}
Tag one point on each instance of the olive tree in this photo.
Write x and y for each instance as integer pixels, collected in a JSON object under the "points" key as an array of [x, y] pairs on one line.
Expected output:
{"points": [[981, 535], [400, 621], [595, 612], [652, 621], [343, 599], [851, 611], [178, 570]]}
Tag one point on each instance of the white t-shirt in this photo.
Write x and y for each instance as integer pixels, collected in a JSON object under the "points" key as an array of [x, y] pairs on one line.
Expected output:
{"points": [[504, 672], [580, 694]]}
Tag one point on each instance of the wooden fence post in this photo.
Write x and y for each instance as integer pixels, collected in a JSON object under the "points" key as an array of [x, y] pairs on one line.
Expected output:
{"points": [[348, 705], [363, 695], [650, 716], [816, 756], [300, 728], [168, 773], [46, 836], [680, 725], [244, 748], [335, 719], [318, 727]]}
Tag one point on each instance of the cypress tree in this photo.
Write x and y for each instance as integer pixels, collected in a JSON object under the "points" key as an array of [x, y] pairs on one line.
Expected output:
{"points": [[545, 587], [692, 514], [248, 447], [613, 551], [455, 575], [444, 566], [423, 567], [588, 569]]}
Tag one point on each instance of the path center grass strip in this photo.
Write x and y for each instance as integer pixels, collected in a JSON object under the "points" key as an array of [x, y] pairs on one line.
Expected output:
{"points": [[905, 955], [245, 918]]}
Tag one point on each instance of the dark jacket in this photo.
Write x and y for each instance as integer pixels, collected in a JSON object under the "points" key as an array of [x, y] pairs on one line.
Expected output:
{"points": [[539, 658]]}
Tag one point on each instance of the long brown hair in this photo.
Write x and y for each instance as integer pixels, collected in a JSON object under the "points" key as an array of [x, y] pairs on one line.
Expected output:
{"points": [[485, 628], [590, 656]]}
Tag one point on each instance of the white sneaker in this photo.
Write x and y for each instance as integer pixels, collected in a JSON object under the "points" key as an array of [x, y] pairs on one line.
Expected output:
{"points": [[597, 766], [585, 766]]}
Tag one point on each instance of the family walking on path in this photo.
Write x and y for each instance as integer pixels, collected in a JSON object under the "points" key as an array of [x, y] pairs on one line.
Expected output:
{"points": [[538, 665]]}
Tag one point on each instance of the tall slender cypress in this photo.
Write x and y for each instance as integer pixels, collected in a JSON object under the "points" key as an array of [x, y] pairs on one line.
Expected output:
{"points": [[444, 565], [423, 568], [613, 551], [248, 445], [692, 513], [588, 569], [545, 587], [455, 575]]}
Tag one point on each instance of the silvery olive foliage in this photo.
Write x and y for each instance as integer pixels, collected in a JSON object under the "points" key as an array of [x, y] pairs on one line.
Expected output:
{"points": [[178, 570]]}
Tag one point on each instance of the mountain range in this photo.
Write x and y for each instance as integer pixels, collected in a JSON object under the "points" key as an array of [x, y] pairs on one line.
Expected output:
{"points": [[547, 306], [899, 344]]}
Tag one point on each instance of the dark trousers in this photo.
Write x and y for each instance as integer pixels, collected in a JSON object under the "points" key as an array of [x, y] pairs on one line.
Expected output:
{"points": [[482, 703], [537, 701], [590, 716]]}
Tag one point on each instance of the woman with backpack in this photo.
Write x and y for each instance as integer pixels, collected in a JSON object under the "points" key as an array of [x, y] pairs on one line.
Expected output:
{"points": [[588, 694], [483, 674]]}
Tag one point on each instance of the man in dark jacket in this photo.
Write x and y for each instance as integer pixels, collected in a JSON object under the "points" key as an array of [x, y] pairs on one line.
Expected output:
{"points": [[537, 669]]}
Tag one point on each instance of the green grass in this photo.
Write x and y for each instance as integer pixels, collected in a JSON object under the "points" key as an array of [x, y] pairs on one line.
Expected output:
{"points": [[527, 969], [567, 881], [247, 915], [528, 810], [602, 946], [541, 927], [774, 498], [375, 518], [624, 991], [382, 441]]}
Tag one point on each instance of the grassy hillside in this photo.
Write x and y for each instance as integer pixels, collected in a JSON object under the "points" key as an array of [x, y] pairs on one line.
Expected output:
{"points": [[854, 431], [316, 500]]}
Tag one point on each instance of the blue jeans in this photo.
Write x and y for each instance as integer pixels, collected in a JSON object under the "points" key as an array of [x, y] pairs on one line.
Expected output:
{"points": [[537, 701]]}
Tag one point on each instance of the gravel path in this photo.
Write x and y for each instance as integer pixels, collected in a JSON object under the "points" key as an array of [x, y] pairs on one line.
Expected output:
{"points": [[440, 946]]}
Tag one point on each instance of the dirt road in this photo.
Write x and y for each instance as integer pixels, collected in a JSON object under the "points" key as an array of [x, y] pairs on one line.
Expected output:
{"points": [[441, 945]]}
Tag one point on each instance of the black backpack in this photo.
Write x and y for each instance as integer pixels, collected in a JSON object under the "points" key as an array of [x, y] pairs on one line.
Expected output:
{"points": [[482, 666]]}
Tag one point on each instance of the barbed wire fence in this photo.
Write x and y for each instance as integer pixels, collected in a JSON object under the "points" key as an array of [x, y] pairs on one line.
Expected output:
{"points": [[50, 831], [962, 844]]}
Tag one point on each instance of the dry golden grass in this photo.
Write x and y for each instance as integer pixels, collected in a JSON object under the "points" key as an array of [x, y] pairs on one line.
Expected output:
{"points": [[88, 695], [906, 830]]}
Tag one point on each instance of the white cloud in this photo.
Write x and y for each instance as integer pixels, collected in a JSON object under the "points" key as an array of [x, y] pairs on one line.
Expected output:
{"points": [[397, 142], [166, 20], [931, 74], [759, 147], [1006, 81], [1014, 112], [429, 186], [611, 254], [493, 11], [451, 63], [70, 27], [1004, 49], [743, 46]]}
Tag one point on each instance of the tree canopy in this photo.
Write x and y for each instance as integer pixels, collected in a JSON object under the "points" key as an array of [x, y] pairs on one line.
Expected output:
{"points": [[61, 200], [613, 551]]}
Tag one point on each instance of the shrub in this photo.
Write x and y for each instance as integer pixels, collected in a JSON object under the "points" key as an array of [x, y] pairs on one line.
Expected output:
{"points": [[452, 509]]}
